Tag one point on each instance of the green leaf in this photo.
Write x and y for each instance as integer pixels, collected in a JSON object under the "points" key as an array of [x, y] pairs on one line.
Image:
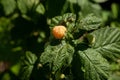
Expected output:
{"points": [[40, 9], [55, 21], [26, 5], [72, 1], [107, 42], [8, 6], [63, 20], [93, 65], [57, 56], [115, 10], [88, 7], [16, 69], [90, 22], [99, 1], [115, 24], [27, 65]]}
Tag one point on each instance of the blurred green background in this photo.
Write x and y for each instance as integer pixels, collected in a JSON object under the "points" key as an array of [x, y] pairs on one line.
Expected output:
{"points": [[24, 26]]}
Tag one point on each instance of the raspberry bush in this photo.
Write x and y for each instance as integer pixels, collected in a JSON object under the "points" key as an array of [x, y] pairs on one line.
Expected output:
{"points": [[59, 40], [84, 56]]}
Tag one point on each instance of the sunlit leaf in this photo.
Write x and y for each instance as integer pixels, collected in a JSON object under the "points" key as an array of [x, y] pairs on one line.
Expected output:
{"points": [[99, 1], [40, 9], [8, 6]]}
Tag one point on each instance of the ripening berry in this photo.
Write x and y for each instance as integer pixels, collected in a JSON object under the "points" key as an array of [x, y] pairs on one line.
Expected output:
{"points": [[62, 76], [91, 38], [39, 66], [59, 31]]}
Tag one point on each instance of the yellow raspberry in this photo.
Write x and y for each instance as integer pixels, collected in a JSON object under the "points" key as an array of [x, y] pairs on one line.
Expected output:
{"points": [[59, 31]]}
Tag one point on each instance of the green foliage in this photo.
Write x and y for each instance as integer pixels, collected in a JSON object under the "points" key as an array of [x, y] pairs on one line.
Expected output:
{"points": [[90, 49], [40, 9], [28, 63], [107, 44], [8, 6], [90, 22], [57, 56], [99, 1], [94, 66], [88, 7], [26, 5]]}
